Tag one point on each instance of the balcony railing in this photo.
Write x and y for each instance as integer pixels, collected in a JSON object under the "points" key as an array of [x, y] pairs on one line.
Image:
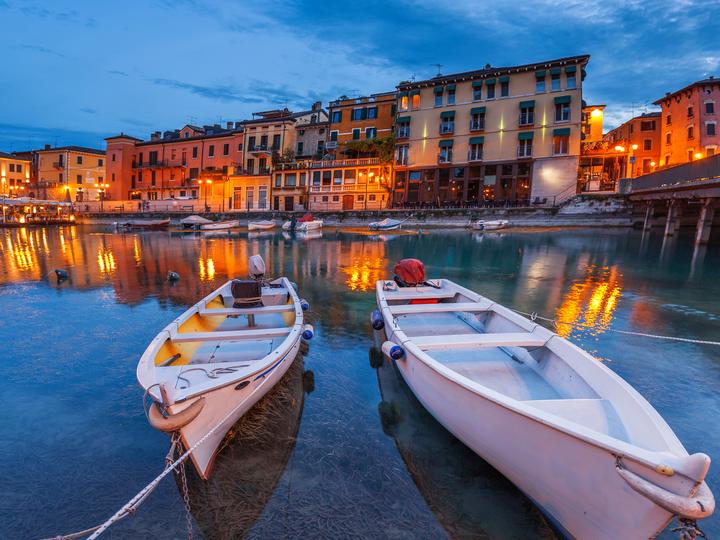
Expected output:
{"points": [[263, 149], [373, 187], [444, 158], [59, 164], [154, 164], [524, 152], [331, 145], [360, 162]]}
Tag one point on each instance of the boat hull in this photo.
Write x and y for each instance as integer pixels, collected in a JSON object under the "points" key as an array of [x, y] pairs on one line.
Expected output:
{"points": [[260, 226], [219, 403], [220, 226], [573, 482]]}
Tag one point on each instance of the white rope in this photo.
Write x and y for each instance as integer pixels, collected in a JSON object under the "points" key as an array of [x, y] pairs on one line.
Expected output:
{"points": [[534, 316]]}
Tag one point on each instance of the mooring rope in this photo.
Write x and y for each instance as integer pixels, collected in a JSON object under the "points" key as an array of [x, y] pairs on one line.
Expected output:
{"points": [[534, 316]]}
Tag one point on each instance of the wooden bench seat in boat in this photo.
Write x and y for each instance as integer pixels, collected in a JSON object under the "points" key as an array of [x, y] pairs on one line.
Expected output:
{"points": [[411, 293], [464, 341], [596, 414], [246, 311], [229, 335], [467, 307]]}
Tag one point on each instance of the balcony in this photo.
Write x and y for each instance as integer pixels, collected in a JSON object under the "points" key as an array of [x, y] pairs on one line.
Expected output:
{"points": [[153, 165], [59, 164], [360, 162], [373, 187], [263, 149], [331, 145]]}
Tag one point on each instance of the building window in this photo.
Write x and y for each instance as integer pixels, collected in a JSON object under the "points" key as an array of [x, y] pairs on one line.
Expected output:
{"points": [[403, 130], [113, 177], [300, 148], [290, 179], [321, 147], [211, 150], [476, 152], [195, 152], [372, 113], [504, 88], [100, 162], [710, 151], [263, 142], [447, 124], [667, 159], [78, 179], [153, 178], [334, 135], [562, 112], [226, 149], [647, 125], [668, 138], [690, 132], [316, 178], [555, 81], [477, 92], [402, 154], [303, 177], [60, 177], [571, 81], [490, 94], [194, 173], [113, 158], [690, 112], [527, 115], [404, 103], [356, 134], [451, 97], [278, 180], [445, 154], [525, 148], [710, 128], [359, 114], [276, 142], [370, 133], [12, 167], [477, 121], [690, 154], [540, 82], [251, 166], [415, 101], [647, 144], [336, 117], [668, 120], [438, 99], [239, 147], [337, 177], [79, 160], [709, 107], [349, 176], [561, 145]]}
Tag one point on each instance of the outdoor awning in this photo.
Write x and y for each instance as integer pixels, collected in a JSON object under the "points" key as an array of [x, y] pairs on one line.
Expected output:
{"points": [[489, 81], [477, 110], [561, 132], [570, 69], [402, 94], [447, 114], [525, 135], [505, 78], [540, 74], [555, 71], [562, 99], [450, 87], [439, 90], [477, 140], [477, 84], [445, 143], [403, 119], [527, 104]]}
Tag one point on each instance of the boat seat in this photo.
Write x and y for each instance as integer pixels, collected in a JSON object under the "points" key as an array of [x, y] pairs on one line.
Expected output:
{"points": [[475, 340], [596, 414], [229, 335], [411, 293], [246, 311], [467, 307]]}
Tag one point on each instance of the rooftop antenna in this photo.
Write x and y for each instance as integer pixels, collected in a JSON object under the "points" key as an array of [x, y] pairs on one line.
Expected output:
{"points": [[412, 77], [439, 67], [354, 92]]}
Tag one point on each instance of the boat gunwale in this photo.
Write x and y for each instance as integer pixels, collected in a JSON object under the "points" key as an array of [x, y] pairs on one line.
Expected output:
{"points": [[619, 448], [276, 354]]}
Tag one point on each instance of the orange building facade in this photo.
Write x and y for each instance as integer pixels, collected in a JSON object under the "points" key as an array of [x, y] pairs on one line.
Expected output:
{"points": [[639, 140], [359, 119]]}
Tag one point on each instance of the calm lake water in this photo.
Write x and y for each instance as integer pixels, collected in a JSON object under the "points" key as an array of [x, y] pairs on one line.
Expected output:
{"points": [[344, 450]]}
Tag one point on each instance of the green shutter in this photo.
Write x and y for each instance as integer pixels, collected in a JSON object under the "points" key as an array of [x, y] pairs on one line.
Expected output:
{"points": [[438, 90], [561, 132], [477, 110], [477, 84], [540, 74], [555, 71], [445, 143], [447, 114], [489, 81], [402, 94], [562, 99], [477, 140], [570, 69], [527, 104], [450, 87], [403, 120], [415, 93], [525, 136], [504, 78]]}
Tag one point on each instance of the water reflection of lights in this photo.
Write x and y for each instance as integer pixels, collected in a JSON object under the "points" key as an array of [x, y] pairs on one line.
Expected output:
{"points": [[591, 302], [137, 254], [207, 269], [363, 274], [106, 260]]}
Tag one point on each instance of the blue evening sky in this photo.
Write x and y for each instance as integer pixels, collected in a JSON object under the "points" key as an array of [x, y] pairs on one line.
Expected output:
{"points": [[76, 72]]}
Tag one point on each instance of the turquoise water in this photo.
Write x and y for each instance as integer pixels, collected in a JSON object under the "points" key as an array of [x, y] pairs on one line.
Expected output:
{"points": [[351, 453]]}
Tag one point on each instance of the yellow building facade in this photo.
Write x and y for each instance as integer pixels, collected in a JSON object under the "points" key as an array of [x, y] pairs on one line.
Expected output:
{"points": [[14, 176], [73, 173], [493, 136]]}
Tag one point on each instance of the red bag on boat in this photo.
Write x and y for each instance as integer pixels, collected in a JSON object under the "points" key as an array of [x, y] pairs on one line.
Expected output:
{"points": [[306, 218], [410, 272]]}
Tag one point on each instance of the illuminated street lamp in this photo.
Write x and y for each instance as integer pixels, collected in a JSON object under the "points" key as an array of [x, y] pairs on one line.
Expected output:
{"points": [[698, 155], [207, 183], [101, 191]]}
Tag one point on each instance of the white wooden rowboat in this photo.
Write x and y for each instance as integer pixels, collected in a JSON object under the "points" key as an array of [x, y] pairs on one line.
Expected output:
{"points": [[303, 226], [493, 225], [386, 224], [261, 225], [220, 225], [585, 446], [215, 361]]}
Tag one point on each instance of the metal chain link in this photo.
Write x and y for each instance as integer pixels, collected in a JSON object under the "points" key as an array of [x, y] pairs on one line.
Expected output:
{"points": [[186, 499]]}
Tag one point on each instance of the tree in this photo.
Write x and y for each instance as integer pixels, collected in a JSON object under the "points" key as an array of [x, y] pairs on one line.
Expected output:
{"points": [[383, 148]]}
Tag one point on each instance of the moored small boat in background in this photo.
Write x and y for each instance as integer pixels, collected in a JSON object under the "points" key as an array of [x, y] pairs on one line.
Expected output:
{"points": [[148, 224], [304, 224], [578, 440], [220, 225], [193, 222], [490, 225], [386, 224], [261, 225]]}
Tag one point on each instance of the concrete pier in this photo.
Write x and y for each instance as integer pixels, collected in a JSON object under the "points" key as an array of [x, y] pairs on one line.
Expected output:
{"points": [[704, 224], [671, 223], [649, 215]]}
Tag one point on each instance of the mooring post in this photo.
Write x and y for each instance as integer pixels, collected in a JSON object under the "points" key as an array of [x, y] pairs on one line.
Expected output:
{"points": [[649, 214], [678, 216], [670, 221], [704, 224]]}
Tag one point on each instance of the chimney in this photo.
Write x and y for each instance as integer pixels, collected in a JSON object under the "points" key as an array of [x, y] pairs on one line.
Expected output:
{"points": [[317, 106], [47, 147], [155, 135], [229, 125]]}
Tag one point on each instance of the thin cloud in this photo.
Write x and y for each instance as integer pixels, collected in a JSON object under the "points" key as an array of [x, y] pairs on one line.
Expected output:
{"points": [[40, 49]]}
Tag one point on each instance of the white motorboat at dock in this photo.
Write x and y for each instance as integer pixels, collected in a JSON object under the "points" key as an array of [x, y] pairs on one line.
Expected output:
{"points": [[220, 225], [261, 225]]}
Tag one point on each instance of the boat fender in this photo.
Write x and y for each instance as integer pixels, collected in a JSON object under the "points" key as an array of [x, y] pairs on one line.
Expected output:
{"points": [[173, 276], [377, 321], [61, 274], [304, 304], [308, 332], [173, 422], [393, 350], [700, 506]]}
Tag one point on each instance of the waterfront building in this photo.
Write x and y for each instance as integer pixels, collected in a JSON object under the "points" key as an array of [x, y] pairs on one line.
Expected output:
{"points": [[349, 184], [508, 135], [356, 121], [70, 173], [174, 166], [690, 122], [639, 140], [15, 176], [592, 123]]}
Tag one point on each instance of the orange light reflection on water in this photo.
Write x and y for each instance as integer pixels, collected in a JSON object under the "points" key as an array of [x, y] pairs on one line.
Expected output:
{"points": [[590, 303]]}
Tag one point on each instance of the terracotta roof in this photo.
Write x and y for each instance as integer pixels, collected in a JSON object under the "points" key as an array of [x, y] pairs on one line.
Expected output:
{"points": [[12, 156], [72, 148], [709, 80]]}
